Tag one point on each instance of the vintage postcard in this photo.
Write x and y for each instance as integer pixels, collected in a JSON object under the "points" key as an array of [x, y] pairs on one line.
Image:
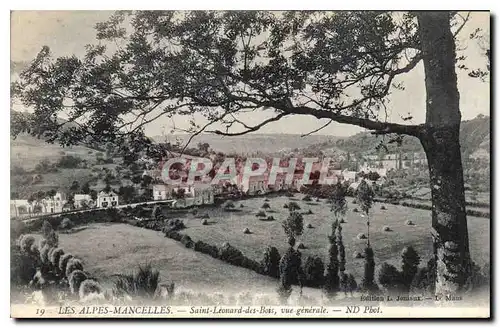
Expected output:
{"points": [[250, 164]]}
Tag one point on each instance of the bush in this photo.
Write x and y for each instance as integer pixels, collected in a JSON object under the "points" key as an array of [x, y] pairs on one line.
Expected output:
{"points": [[425, 279], [266, 206], [285, 206], [290, 272], [361, 236], [355, 210], [205, 248], [25, 243], [251, 264], [386, 228], [75, 279], [309, 226], [313, 269], [230, 254], [409, 222], [73, 264], [41, 243], [247, 231], [270, 263], [293, 206], [390, 278], [35, 251], [331, 280], [63, 262], [261, 213], [173, 235], [410, 262], [479, 279], [368, 283], [204, 222], [49, 234], [144, 283], [241, 205], [66, 224], [170, 225], [187, 241], [342, 220], [22, 267], [357, 255], [228, 204], [301, 246], [293, 226], [352, 284], [266, 200], [89, 286], [382, 207], [270, 218], [55, 256], [44, 254], [354, 202]]}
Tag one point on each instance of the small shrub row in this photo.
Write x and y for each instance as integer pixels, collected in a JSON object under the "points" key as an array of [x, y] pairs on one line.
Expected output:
{"points": [[202, 247], [429, 208], [226, 252]]}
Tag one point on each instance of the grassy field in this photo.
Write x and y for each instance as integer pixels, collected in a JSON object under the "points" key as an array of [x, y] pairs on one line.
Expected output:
{"points": [[229, 226], [27, 151], [108, 249]]}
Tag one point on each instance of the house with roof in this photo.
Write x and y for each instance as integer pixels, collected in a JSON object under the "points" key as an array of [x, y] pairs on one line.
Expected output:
{"points": [[53, 204], [349, 175], [255, 184], [162, 191], [195, 194], [83, 201], [20, 207], [107, 199]]}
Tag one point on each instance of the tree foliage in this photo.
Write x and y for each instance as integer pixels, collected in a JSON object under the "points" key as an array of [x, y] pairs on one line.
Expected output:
{"points": [[368, 282], [336, 65], [364, 196], [410, 262], [293, 226], [331, 286], [337, 199]]}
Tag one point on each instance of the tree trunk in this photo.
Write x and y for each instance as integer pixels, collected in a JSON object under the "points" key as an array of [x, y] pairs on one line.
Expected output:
{"points": [[440, 140]]}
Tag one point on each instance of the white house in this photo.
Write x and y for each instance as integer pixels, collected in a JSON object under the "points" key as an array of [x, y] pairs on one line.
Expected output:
{"points": [[349, 175], [107, 199], [83, 200], [203, 194], [20, 207], [197, 194], [255, 184], [53, 204], [162, 192]]}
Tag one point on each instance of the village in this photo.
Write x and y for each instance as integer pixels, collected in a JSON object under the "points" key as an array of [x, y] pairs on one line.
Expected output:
{"points": [[203, 193]]}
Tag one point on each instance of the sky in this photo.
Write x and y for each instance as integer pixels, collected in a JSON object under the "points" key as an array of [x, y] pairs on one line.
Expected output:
{"points": [[67, 33]]}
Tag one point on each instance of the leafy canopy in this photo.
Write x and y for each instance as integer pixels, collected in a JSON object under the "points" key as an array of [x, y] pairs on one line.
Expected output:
{"points": [[148, 64]]}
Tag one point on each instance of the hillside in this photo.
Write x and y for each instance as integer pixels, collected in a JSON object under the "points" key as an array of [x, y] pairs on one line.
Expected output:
{"points": [[254, 143], [27, 151], [474, 136]]}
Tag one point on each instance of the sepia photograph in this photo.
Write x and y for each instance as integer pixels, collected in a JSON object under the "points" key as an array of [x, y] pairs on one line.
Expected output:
{"points": [[294, 164]]}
